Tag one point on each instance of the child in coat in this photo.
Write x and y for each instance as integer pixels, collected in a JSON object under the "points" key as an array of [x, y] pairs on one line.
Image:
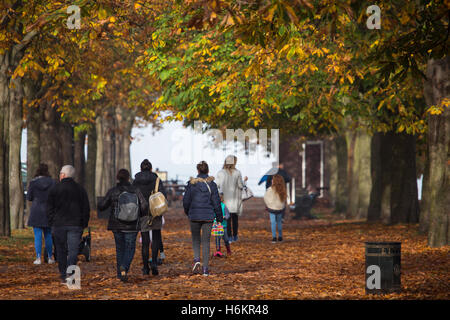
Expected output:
{"points": [[226, 215]]}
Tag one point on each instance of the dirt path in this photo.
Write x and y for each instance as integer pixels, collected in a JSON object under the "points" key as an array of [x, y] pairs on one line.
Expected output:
{"points": [[317, 260]]}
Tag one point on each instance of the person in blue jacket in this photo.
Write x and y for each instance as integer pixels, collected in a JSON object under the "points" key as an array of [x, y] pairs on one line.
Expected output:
{"points": [[201, 204], [37, 192]]}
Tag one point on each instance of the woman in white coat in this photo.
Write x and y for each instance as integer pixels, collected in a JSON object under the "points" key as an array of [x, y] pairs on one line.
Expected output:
{"points": [[230, 183]]}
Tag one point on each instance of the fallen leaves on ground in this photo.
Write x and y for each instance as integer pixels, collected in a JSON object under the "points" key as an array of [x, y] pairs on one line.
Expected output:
{"points": [[318, 259]]}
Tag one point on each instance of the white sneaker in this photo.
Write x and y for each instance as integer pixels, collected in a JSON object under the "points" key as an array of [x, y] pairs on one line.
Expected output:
{"points": [[50, 261], [37, 261]]}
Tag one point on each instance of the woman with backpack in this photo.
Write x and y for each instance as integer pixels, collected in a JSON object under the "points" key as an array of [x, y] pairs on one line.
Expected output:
{"points": [[38, 193], [275, 200], [145, 181], [230, 183], [201, 204], [127, 206]]}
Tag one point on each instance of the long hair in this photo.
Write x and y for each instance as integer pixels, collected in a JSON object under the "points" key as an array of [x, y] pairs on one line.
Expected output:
{"points": [[279, 186], [230, 163]]}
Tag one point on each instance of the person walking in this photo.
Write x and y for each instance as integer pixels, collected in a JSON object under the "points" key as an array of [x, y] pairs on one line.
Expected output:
{"points": [[275, 200], [201, 204], [286, 177], [145, 181], [68, 213], [125, 233], [283, 173], [230, 183], [37, 192], [226, 215]]}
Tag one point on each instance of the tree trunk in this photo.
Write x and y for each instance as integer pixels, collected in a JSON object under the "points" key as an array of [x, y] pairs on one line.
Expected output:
{"points": [[124, 122], [56, 141], [66, 141], [90, 173], [404, 195], [437, 189], [393, 197], [79, 158], [358, 174], [99, 159], [5, 228], [331, 169], [50, 143], [15, 170], [341, 194]]}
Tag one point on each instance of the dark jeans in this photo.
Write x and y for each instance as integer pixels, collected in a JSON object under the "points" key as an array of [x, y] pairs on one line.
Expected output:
{"points": [[201, 233], [156, 245], [232, 225], [67, 242], [125, 248]]}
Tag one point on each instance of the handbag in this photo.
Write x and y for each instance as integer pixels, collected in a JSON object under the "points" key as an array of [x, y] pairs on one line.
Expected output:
{"points": [[217, 229], [246, 193], [157, 202]]}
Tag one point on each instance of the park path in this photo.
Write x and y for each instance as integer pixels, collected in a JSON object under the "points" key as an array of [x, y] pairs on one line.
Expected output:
{"points": [[318, 259]]}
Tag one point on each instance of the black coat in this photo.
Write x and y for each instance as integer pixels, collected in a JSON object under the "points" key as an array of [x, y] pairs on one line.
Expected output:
{"points": [[112, 200], [38, 191], [68, 205], [145, 181], [201, 203]]}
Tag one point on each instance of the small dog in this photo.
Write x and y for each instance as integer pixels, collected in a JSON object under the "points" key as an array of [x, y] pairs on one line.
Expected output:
{"points": [[84, 247]]}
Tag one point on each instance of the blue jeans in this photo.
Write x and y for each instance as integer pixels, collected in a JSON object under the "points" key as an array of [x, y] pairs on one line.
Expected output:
{"points": [[125, 248], [67, 244], [275, 221], [38, 241]]}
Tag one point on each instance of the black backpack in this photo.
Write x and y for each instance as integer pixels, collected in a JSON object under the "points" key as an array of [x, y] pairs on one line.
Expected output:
{"points": [[128, 207]]}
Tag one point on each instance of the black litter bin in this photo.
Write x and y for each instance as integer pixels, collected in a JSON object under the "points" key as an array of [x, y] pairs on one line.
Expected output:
{"points": [[105, 213], [383, 267]]}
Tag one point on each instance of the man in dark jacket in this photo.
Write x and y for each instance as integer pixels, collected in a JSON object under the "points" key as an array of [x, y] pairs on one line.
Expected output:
{"points": [[68, 214], [124, 232], [145, 181], [201, 204], [281, 172]]}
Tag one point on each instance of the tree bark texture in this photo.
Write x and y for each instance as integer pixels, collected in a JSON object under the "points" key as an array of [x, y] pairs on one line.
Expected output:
{"points": [[436, 204]]}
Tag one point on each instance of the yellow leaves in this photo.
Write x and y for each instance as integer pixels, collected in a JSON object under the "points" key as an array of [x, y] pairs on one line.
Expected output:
{"points": [[102, 14], [350, 78], [269, 16], [137, 6], [375, 43]]}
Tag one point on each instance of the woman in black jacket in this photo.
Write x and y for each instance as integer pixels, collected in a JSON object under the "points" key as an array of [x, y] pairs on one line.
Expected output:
{"points": [[201, 204], [38, 193], [125, 233], [145, 181]]}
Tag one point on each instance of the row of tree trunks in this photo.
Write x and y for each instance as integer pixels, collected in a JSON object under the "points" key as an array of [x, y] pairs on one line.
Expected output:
{"points": [[435, 213], [394, 196], [113, 140]]}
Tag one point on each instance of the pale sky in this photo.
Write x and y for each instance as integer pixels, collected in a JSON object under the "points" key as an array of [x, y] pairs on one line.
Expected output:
{"points": [[177, 150]]}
